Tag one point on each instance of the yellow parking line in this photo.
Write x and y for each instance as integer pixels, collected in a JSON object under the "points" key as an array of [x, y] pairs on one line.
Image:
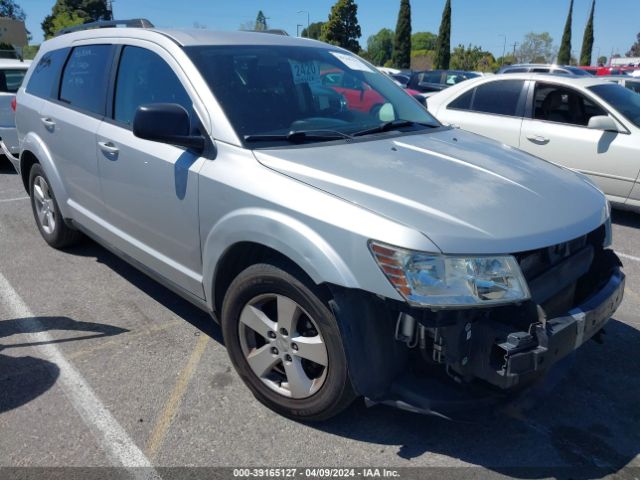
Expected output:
{"points": [[172, 406]]}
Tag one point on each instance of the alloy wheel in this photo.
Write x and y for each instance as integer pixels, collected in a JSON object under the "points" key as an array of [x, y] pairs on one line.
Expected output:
{"points": [[283, 346], [45, 209]]}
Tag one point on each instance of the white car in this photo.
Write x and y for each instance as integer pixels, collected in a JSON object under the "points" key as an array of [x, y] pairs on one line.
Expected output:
{"points": [[582, 123], [12, 73]]}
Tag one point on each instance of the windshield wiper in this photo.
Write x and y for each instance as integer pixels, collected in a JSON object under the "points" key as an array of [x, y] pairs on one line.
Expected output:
{"points": [[388, 126], [299, 136]]}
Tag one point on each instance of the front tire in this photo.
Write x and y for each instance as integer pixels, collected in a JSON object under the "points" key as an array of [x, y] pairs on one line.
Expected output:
{"points": [[46, 212], [285, 344]]}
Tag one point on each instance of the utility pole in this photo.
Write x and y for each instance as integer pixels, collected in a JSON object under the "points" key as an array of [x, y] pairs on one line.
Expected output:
{"points": [[308, 19], [504, 47], [515, 45]]}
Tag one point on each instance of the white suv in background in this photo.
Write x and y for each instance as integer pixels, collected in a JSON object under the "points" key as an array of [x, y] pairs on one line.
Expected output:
{"points": [[12, 73], [583, 123]]}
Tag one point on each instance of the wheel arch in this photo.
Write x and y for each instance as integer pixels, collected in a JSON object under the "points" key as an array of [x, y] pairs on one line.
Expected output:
{"points": [[35, 151], [251, 236]]}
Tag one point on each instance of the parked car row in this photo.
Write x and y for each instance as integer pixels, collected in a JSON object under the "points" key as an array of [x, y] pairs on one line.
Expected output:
{"points": [[348, 242]]}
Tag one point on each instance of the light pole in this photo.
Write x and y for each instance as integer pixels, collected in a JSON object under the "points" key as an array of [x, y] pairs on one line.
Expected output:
{"points": [[308, 18], [504, 47]]}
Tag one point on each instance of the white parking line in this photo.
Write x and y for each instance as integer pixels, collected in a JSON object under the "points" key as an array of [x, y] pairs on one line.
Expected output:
{"points": [[109, 433], [628, 257], [12, 199]]}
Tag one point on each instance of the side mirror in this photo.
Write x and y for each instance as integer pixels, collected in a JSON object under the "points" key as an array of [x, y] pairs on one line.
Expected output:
{"points": [[166, 123], [603, 122]]}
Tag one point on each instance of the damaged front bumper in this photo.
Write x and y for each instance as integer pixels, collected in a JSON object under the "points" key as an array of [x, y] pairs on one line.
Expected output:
{"points": [[468, 358]]}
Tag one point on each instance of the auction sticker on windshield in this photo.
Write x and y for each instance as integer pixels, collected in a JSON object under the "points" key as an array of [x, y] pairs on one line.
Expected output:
{"points": [[352, 62], [305, 72]]}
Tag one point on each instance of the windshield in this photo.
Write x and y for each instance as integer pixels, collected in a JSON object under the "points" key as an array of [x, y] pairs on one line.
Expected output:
{"points": [[626, 101], [269, 92]]}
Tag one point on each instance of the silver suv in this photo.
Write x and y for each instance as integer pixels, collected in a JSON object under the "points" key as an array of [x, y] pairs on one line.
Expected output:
{"points": [[348, 248]]}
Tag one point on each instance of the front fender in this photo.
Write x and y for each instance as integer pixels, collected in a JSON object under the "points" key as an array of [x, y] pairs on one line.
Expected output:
{"points": [[282, 233], [33, 144]]}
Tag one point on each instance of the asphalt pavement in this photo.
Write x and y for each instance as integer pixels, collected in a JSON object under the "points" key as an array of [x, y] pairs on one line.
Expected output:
{"points": [[100, 366]]}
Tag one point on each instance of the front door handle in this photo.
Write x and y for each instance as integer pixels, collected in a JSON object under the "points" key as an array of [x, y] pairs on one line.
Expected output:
{"points": [[538, 139], [108, 147], [48, 123]]}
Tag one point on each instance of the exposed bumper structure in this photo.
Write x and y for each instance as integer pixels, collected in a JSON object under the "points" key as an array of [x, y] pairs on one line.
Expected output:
{"points": [[467, 359]]}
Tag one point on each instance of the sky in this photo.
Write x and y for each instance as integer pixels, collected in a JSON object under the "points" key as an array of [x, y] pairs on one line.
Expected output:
{"points": [[479, 22]]}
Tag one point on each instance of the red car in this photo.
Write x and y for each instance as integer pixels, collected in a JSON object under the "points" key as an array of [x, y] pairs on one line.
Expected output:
{"points": [[358, 94], [606, 71]]}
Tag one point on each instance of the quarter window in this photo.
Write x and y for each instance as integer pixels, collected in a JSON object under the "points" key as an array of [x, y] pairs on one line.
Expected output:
{"points": [[85, 78], [463, 102], [498, 98], [45, 73], [145, 78]]}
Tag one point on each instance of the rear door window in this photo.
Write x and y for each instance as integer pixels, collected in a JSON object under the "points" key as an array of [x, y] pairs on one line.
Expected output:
{"points": [[46, 72], [430, 77], [85, 78]]}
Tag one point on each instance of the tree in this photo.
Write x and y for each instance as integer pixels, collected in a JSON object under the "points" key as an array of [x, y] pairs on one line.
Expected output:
{"points": [[536, 48], [380, 47], [66, 20], [587, 40], [402, 41], [564, 54], [443, 47], [635, 48], [342, 28], [10, 9], [261, 22], [423, 41], [29, 52], [471, 58], [313, 31], [602, 60], [87, 10]]}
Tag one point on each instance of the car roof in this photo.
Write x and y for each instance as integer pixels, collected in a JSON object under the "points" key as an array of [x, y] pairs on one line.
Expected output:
{"points": [[14, 63], [187, 37], [581, 81], [619, 78]]}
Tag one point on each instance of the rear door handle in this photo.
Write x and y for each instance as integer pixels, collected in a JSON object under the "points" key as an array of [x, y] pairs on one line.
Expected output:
{"points": [[539, 139], [108, 147], [48, 123]]}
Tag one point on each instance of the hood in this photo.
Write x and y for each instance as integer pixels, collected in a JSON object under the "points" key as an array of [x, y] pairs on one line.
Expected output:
{"points": [[466, 193]]}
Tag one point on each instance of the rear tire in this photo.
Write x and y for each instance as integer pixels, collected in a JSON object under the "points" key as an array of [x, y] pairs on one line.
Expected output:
{"points": [[279, 323], [46, 212]]}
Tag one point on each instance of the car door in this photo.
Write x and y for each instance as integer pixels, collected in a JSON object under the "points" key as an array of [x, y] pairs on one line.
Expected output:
{"points": [[71, 120], [493, 109], [150, 189], [556, 130]]}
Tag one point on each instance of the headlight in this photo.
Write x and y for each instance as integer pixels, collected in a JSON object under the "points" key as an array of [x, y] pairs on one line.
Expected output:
{"points": [[441, 281]]}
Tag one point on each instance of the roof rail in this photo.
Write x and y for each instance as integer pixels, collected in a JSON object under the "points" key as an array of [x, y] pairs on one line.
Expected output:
{"points": [[133, 23]]}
